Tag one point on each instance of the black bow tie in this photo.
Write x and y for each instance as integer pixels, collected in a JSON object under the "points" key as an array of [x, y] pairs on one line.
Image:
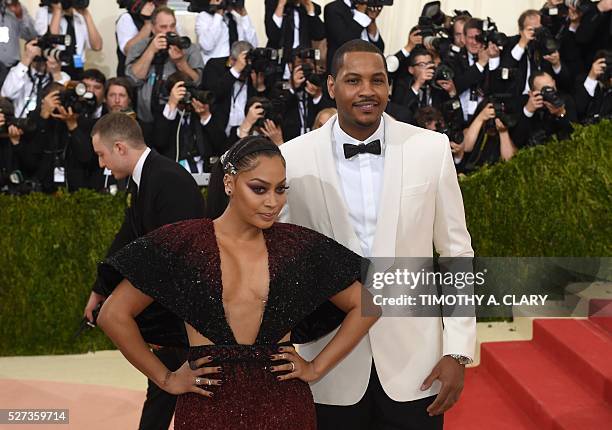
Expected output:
{"points": [[373, 147]]}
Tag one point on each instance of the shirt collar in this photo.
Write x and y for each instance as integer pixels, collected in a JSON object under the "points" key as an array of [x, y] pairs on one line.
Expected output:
{"points": [[137, 174], [341, 137], [348, 3]]}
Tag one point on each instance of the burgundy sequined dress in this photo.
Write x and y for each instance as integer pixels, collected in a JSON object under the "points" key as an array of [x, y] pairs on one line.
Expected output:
{"points": [[178, 265]]}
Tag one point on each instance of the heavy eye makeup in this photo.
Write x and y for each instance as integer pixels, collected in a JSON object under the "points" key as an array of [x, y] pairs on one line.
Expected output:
{"points": [[263, 187]]}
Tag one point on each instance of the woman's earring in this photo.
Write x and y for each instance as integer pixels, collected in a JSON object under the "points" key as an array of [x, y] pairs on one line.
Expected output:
{"points": [[228, 192]]}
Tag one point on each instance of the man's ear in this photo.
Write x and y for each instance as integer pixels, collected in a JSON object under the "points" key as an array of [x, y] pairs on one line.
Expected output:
{"points": [[331, 82], [121, 147]]}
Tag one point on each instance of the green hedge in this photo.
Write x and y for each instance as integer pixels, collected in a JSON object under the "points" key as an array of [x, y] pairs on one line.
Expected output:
{"points": [[551, 200]]}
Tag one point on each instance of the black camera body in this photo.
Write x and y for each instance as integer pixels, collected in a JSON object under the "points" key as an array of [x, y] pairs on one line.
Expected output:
{"points": [[193, 93], [66, 4], [311, 75], [443, 73], [452, 113], [51, 40], [545, 43], [273, 110], [491, 34], [77, 97], [550, 95], [181, 42], [502, 103], [263, 60]]}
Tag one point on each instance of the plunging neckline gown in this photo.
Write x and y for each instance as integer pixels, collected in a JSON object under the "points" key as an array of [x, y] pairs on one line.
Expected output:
{"points": [[179, 266]]}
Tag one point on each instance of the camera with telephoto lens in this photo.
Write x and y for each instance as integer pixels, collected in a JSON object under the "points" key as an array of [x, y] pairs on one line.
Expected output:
{"points": [[77, 97], [47, 45], [263, 60], [135, 6], [550, 95], [66, 4], [491, 34], [6, 107], [545, 43], [198, 6], [193, 93], [181, 42]]}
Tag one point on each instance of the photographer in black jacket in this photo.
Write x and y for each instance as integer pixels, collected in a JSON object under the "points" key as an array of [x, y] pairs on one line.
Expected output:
{"points": [[594, 91]]}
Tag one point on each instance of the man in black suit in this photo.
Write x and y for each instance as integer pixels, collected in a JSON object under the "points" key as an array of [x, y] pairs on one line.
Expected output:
{"points": [[292, 24], [593, 92], [160, 192], [347, 20], [233, 82], [595, 29]]}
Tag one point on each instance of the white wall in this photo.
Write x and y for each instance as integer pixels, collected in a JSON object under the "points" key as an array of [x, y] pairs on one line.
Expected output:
{"points": [[394, 22]]}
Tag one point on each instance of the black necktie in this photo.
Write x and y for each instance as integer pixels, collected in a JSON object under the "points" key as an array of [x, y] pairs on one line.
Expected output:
{"points": [[373, 147], [233, 28], [71, 31]]}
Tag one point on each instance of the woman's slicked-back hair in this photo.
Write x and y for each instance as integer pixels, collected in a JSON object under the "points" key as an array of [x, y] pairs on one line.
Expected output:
{"points": [[242, 156]]}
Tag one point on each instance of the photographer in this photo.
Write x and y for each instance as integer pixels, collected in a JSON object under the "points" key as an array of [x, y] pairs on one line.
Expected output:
{"points": [[350, 19], [292, 24], [547, 113], [187, 125], [132, 27], [595, 31], [473, 68], [219, 28], [262, 118], [432, 119], [25, 81], [403, 55], [534, 49], [151, 61], [119, 95], [487, 139], [233, 82], [422, 87], [594, 91], [305, 98], [18, 24], [70, 17]]}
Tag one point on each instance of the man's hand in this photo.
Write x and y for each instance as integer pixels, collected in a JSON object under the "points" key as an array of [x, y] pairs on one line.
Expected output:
{"points": [[14, 134], [30, 52], [535, 102], [68, 116], [159, 43], [147, 9], [176, 54], [259, 80], [422, 75], [597, 69], [16, 8], [457, 149], [309, 6], [487, 113], [2, 119], [449, 87], [501, 127], [604, 6], [575, 16], [414, 39], [554, 59], [527, 35], [450, 374], [373, 12], [241, 62], [176, 94], [49, 104], [94, 299], [483, 56], [362, 7], [273, 132], [297, 78], [493, 50], [555, 111]]}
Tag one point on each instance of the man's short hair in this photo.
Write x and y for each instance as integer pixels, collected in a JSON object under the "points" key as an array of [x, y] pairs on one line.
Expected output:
{"points": [[94, 75], [239, 47], [426, 115], [161, 9], [535, 75], [120, 82], [356, 45], [472, 23], [528, 13], [420, 50], [119, 126]]}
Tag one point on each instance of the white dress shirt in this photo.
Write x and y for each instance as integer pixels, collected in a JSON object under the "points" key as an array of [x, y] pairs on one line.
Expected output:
{"points": [[238, 102], [361, 180], [43, 19], [137, 174], [213, 33]]}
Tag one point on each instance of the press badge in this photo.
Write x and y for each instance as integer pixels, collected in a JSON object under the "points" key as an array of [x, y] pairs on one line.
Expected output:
{"points": [[78, 61], [30, 104], [4, 35], [59, 175]]}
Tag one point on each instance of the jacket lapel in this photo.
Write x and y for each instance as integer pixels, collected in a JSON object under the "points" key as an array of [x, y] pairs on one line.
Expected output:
{"points": [[335, 205]]}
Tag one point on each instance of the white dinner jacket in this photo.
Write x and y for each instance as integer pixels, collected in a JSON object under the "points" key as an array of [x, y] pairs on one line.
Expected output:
{"points": [[421, 206]]}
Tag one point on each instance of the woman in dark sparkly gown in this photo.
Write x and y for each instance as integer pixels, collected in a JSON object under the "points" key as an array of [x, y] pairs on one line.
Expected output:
{"points": [[241, 284]]}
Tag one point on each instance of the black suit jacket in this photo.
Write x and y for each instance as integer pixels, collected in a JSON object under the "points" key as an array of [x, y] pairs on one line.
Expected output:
{"points": [[586, 106], [291, 119], [167, 194], [311, 28], [340, 27]]}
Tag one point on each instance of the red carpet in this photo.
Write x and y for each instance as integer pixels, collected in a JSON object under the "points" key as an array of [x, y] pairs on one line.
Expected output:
{"points": [[561, 380]]}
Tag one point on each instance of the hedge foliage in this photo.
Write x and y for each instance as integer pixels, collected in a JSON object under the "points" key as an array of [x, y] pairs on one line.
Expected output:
{"points": [[551, 200]]}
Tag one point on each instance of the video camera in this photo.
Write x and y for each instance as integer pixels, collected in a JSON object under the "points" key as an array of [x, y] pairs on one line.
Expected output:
{"points": [[198, 6], [66, 4], [77, 97], [136, 6]]}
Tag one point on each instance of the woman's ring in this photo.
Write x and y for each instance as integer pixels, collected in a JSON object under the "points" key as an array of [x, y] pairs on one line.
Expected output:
{"points": [[198, 381], [292, 366]]}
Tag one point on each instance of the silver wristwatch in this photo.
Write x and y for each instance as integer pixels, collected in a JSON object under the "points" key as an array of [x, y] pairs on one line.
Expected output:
{"points": [[461, 359]]}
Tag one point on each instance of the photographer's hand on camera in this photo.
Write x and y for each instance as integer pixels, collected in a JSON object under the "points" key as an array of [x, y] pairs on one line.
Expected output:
{"points": [[14, 134], [297, 78], [309, 6], [68, 116], [241, 62], [256, 111], [361, 7], [315, 92], [483, 56], [574, 16], [176, 95], [259, 81], [177, 55], [604, 6], [422, 76], [527, 35], [597, 69], [554, 59], [449, 87], [273, 132], [414, 39], [220, 10], [535, 102], [202, 110], [558, 112], [373, 13], [49, 104], [55, 68], [159, 43], [31, 51]]}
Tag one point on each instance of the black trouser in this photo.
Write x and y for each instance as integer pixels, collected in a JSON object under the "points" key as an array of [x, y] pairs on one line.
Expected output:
{"points": [[376, 411], [158, 408]]}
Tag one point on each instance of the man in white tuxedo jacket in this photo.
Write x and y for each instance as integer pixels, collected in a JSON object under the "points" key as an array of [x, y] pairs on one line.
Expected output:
{"points": [[383, 189]]}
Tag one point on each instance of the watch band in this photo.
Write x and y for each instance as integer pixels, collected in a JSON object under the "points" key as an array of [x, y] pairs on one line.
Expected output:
{"points": [[461, 359]]}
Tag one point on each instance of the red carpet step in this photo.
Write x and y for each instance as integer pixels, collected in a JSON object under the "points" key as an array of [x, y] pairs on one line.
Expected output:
{"points": [[560, 380]]}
